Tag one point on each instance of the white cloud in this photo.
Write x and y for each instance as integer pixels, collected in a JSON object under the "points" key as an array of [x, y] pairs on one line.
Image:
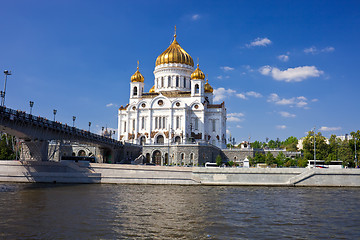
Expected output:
{"points": [[328, 49], [227, 68], [219, 77], [222, 93], [247, 67], [195, 17], [253, 94], [240, 95], [314, 50], [297, 74], [315, 100], [259, 42], [110, 105], [281, 127], [300, 102], [236, 114], [287, 114], [326, 129], [227, 132], [235, 117], [283, 58], [238, 126]]}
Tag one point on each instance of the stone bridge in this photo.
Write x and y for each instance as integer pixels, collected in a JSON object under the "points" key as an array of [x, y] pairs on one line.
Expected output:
{"points": [[36, 132]]}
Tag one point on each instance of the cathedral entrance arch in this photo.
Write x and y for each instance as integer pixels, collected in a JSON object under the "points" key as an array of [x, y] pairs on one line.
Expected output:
{"points": [[160, 139], [177, 139], [148, 158], [156, 157]]}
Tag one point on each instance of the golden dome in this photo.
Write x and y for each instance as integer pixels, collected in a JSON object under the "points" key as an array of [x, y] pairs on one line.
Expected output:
{"points": [[197, 74], [208, 87], [174, 54], [152, 90], [137, 77]]}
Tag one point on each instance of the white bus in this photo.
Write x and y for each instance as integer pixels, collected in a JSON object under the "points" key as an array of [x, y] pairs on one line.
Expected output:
{"points": [[321, 164]]}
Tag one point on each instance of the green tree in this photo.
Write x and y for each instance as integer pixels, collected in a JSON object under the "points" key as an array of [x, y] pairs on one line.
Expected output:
{"points": [[219, 160], [280, 159], [6, 147], [321, 146], [272, 144], [256, 145], [258, 158], [269, 159], [290, 144]]}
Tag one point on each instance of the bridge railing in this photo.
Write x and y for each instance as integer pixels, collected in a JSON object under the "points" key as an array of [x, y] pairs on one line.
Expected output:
{"points": [[17, 115]]}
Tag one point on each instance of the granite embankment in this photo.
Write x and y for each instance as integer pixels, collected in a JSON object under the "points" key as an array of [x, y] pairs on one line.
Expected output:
{"points": [[71, 172]]}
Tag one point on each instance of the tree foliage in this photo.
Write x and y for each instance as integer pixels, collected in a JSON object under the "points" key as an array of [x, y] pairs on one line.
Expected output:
{"points": [[7, 147], [219, 160]]}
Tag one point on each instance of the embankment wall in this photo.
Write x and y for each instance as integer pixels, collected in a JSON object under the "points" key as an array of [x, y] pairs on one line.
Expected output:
{"points": [[71, 172]]}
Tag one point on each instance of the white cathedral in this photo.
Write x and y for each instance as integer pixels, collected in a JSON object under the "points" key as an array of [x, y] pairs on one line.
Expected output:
{"points": [[178, 109]]}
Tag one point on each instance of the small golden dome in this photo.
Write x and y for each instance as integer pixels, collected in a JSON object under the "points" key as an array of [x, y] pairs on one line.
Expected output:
{"points": [[137, 77], [208, 87], [197, 74], [152, 90], [174, 54]]}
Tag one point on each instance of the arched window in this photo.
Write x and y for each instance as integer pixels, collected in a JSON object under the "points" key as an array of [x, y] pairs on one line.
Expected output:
{"points": [[162, 82], [177, 81], [191, 156], [160, 139], [169, 81], [135, 91], [182, 156], [125, 126], [177, 122], [196, 88], [177, 139], [184, 82]]}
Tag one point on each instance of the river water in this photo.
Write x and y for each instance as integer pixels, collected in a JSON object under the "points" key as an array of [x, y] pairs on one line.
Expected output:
{"points": [[108, 211]]}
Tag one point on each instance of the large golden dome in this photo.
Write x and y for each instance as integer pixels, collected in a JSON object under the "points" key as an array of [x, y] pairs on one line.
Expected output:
{"points": [[137, 77], [197, 74], [174, 54], [208, 88]]}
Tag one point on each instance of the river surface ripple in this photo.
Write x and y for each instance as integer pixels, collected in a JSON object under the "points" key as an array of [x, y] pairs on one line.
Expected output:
{"points": [[109, 211]]}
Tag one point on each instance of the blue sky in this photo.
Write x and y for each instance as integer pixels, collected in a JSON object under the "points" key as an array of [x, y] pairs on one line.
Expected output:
{"points": [[282, 67]]}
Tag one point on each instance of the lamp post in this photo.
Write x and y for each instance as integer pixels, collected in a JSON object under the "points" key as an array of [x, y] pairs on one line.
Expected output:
{"points": [[356, 163], [89, 126], [74, 118], [7, 73], [31, 106], [314, 148], [54, 112]]}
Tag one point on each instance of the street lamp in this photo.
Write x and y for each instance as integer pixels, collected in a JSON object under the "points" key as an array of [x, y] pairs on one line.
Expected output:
{"points": [[74, 118], [314, 148], [6, 72], [356, 163], [54, 112], [31, 106], [89, 126]]}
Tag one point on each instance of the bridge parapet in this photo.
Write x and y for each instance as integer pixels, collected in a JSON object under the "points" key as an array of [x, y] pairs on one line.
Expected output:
{"points": [[11, 115]]}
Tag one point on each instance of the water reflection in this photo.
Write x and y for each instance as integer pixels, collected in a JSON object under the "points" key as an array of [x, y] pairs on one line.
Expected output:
{"points": [[43, 211]]}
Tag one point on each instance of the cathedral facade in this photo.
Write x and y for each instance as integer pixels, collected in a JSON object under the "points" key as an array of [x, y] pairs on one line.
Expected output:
{"points": [[178, 109]]}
